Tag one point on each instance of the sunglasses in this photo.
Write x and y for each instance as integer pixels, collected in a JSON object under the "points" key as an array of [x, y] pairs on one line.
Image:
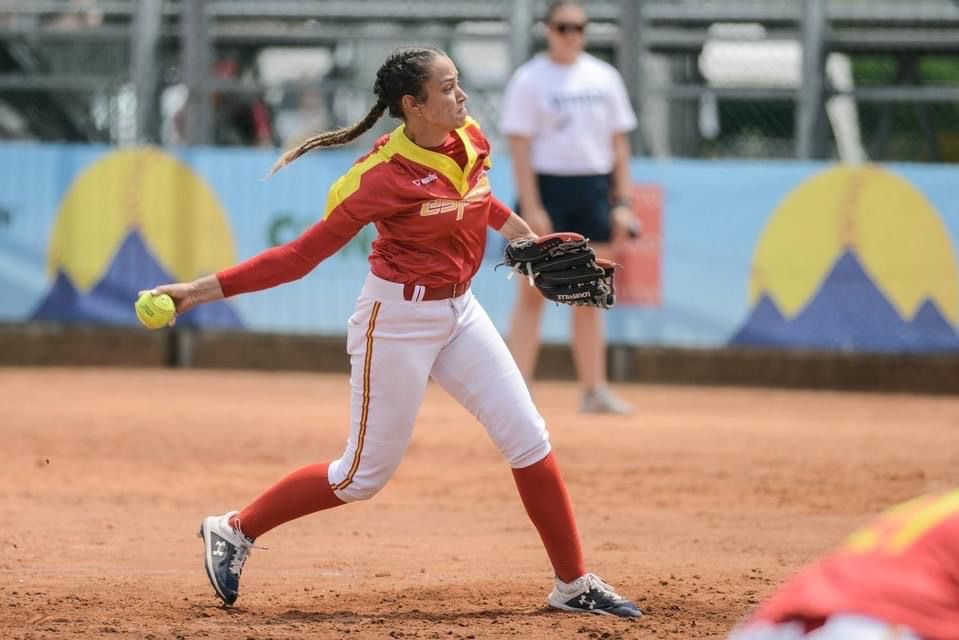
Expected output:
{"points": [[568, 27]]}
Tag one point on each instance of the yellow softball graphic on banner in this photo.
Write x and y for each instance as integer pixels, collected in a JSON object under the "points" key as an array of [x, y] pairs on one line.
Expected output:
{"points": [[889, 224], [150, 191], [854, 258], [131, 220]]}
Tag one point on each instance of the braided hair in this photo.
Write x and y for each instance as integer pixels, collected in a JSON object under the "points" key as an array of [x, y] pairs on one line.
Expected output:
{"points": [[405, 72]]}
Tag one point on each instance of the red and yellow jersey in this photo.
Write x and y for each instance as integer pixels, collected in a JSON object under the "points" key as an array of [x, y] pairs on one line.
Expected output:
{"points": [[431, 213], [902, 569], [430, 206]]}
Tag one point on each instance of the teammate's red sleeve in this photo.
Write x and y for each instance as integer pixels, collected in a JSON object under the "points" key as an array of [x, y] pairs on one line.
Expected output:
{"points": [[285, 263], [499, 213]]}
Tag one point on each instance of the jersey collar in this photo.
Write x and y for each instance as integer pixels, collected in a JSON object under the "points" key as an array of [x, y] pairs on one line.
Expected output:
{"points": [[459, 178]]}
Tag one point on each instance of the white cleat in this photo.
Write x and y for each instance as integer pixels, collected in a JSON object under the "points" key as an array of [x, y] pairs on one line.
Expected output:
{"points": [[589, 594]]}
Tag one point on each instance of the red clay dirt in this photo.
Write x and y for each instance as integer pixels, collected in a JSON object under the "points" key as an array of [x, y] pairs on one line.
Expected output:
{"points": [[697, 507]]}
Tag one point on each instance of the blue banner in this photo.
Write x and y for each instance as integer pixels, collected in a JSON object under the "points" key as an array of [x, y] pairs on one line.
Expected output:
{"points": [[792, 255]]}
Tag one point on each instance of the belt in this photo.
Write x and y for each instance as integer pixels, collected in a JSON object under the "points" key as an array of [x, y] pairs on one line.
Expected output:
{"points": [[419, 293]]}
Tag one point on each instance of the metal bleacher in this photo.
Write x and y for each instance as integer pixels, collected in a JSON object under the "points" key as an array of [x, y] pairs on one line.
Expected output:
{"points": [[857, 26], [68, 68]]}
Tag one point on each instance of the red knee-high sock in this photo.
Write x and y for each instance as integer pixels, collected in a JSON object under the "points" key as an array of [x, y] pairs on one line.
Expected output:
{"points": [[303, 492], [548, 505]]}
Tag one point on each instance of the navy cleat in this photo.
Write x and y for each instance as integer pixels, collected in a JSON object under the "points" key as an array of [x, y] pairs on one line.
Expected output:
{"points": [[589, 594], [225, 551]]}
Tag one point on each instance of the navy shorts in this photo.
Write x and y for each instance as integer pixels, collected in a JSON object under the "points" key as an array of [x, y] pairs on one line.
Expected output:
{"points": [[577, 203]]}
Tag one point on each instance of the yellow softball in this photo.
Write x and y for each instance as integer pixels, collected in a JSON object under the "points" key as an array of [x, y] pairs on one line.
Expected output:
{"points": [[154, 312]]}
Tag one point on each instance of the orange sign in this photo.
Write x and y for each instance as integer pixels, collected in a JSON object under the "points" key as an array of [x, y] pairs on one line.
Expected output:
{"points": [[639, 282]]}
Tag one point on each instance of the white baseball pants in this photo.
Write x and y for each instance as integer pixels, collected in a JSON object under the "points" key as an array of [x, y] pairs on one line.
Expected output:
{"points": [[395, 346]]}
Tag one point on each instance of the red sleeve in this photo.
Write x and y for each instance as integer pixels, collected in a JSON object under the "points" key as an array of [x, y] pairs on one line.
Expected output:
{"points": [[499, 213], [285, 263]]}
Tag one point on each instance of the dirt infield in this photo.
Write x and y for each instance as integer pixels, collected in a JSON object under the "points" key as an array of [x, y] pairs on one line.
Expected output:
{"points": [[697, 507]]}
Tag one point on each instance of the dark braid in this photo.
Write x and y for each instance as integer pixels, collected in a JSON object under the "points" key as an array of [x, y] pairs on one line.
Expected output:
{"points": [[404, 73]]}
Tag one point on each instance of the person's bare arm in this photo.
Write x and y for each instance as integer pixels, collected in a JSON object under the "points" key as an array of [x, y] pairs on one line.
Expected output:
{"points": [[515, 227], [623, 219], [622, 180], [529, 197]]}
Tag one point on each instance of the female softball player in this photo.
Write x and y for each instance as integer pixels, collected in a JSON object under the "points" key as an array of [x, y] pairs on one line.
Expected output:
{"points": [[425, 188], [895, 579]]}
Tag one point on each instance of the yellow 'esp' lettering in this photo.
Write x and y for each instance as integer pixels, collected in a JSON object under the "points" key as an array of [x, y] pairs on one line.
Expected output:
{"points": [[435, 207], [476, 194]]}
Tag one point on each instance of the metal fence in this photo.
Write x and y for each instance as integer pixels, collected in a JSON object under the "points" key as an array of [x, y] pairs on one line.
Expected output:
{"points": [[846, 79]]}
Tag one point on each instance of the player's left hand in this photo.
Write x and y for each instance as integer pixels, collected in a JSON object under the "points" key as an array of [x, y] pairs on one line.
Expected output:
{"points": [[564, 268]]}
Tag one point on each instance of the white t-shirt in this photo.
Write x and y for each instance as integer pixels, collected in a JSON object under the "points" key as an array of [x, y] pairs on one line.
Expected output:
{"points": [[570, 113]]}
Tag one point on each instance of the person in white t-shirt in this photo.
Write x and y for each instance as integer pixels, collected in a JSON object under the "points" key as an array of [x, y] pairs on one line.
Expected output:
{"points": [[567, 116]]}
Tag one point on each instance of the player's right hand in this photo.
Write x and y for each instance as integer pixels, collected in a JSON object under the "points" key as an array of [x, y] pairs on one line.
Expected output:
{"points": [[187, 295], [182, 294]]}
